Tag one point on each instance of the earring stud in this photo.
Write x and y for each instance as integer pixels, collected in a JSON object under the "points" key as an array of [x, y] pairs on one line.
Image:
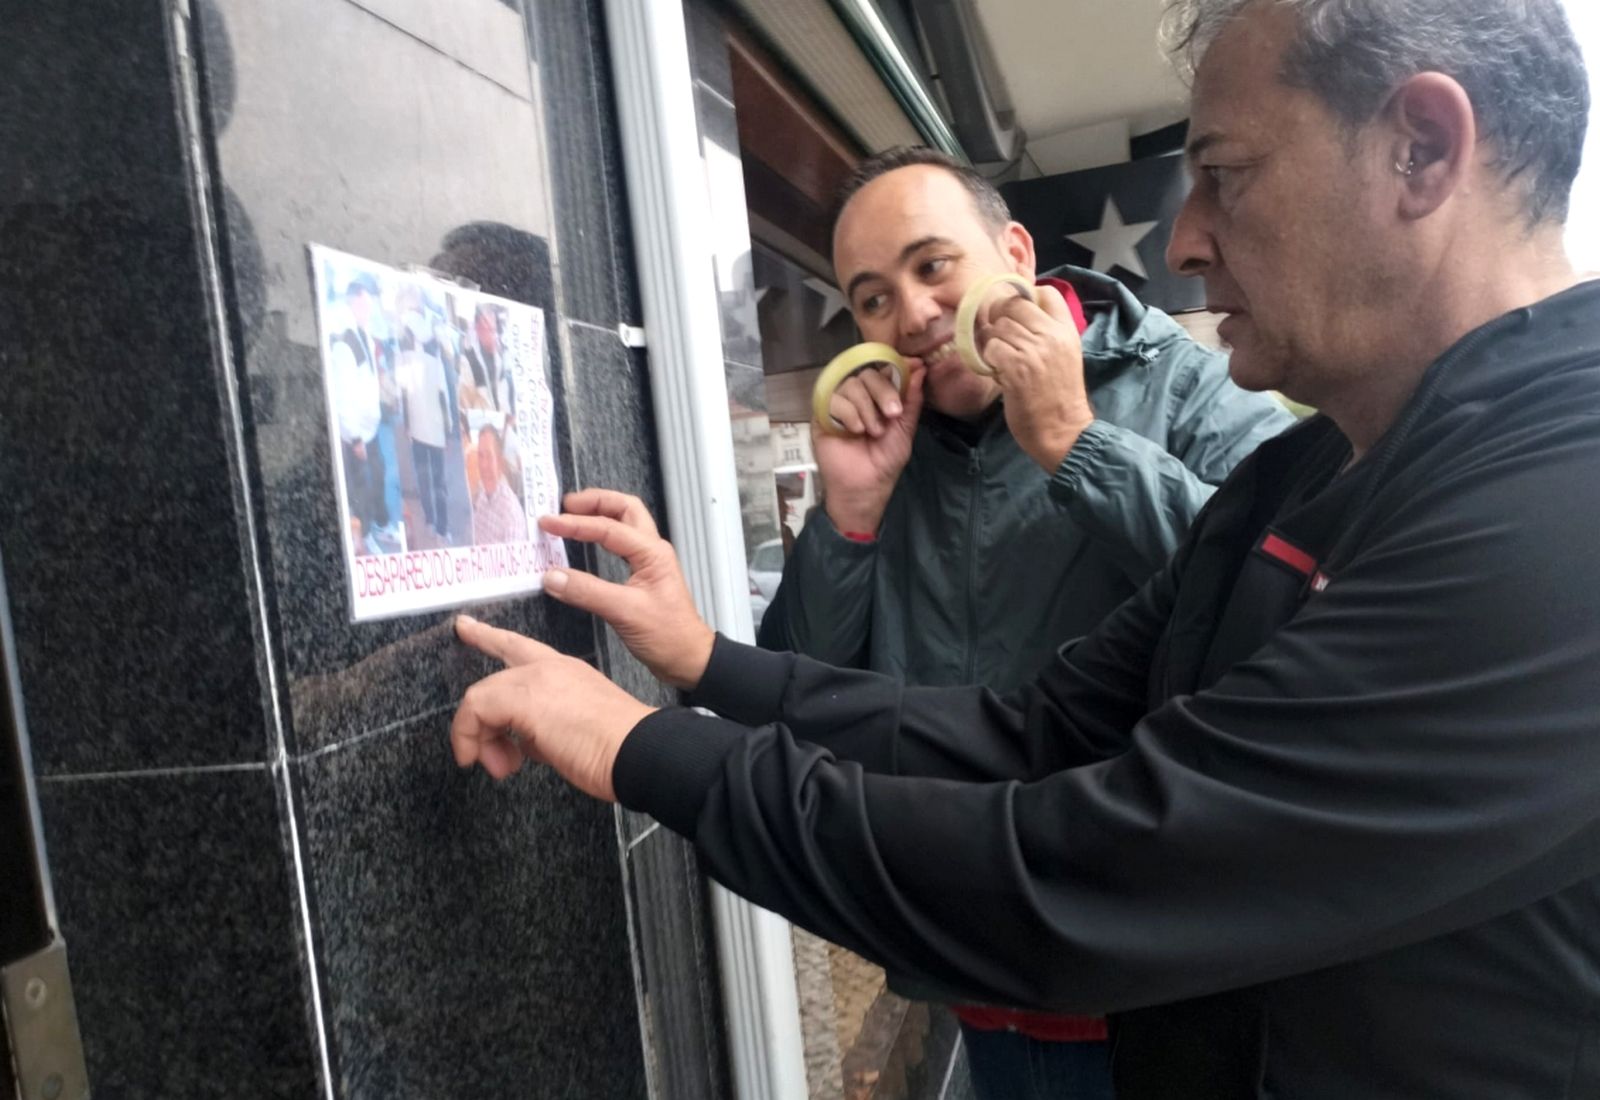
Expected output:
{"points": [[1406, 169]]}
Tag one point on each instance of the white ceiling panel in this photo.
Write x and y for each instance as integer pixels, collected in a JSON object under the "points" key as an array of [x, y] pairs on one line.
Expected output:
{"points": [[1071, 64]]}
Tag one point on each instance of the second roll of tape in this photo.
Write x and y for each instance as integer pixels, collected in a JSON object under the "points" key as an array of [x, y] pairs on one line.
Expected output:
{"points": [[966, 336]]}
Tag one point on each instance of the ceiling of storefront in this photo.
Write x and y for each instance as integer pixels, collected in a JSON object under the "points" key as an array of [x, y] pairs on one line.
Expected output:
{"points": [[1075, 63], [1083, 76]]}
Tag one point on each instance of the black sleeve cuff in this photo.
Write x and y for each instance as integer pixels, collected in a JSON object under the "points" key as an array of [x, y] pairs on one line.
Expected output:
{"points": [[743, 683], [669, 761]]}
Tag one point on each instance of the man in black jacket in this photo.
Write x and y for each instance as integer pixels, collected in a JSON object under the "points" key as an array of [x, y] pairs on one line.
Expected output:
{"points": [[1316, 814]]}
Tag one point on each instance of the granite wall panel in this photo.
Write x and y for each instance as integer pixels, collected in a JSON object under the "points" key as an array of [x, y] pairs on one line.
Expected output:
{"points": [[473, 933], [231, 765], [114, 469], [175, 891]]}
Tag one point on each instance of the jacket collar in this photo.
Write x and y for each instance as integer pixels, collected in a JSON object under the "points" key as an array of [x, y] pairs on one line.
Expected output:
{"points": [[1556, 336], [1120, 326], [958, 436]]}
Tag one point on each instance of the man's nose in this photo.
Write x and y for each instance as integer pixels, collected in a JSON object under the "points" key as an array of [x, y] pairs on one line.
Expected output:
{"points": [[920, 310], [1192, 250]]}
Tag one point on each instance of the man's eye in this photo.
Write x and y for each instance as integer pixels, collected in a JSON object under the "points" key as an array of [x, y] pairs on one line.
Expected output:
{"points": [[933, 266]]}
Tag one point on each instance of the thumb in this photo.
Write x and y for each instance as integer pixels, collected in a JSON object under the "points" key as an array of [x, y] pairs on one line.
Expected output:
{"points": [[506, 646], [1053, 303]]}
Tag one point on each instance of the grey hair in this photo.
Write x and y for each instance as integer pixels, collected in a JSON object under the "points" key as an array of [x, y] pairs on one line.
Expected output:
{"points": [[1517, 59]]}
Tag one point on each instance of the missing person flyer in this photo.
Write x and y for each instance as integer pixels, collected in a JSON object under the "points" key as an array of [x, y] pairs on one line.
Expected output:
{"points": [[442, 424]]}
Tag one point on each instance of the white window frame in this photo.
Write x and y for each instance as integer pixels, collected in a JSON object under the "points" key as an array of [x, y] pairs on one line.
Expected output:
{"points": [[683, 330]]}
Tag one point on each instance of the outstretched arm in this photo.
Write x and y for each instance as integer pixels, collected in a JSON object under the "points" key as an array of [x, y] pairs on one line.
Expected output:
{"points": [[1353, 786], [969, 733]]}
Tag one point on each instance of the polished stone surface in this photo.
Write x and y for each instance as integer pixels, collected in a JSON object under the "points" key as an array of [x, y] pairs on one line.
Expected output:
{"points": [[595, 241], [179, 910], [113, 454], [613, 417], [676, 947], [130, 585], [358, 145], [469, 938], [615, 427], [473, 935], [423, 671], [442, 170]]}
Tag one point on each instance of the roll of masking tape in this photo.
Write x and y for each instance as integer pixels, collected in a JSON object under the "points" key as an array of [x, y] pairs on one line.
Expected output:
{"points": [[966, 337], [845, 364]]}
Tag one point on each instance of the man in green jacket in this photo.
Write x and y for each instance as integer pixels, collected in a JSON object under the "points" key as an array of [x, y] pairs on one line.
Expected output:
{"points": [[972, 526], [944, 552]]}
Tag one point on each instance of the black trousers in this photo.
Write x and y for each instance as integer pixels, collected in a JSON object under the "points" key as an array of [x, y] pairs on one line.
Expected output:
{"points": [[428, 461], [363, 485]]}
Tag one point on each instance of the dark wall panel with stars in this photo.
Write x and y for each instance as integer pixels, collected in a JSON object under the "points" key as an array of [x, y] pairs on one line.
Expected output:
{"points": [[1116, 219]]}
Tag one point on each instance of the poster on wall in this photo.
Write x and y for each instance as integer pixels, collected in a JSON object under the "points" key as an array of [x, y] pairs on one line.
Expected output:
{"points": [[442, 427]]}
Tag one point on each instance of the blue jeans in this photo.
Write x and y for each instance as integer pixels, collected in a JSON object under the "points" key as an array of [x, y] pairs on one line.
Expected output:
{"points": [[391, 472], [1007, 1065]]}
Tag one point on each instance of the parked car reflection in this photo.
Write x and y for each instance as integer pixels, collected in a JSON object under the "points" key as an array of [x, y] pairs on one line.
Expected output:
{"points": [[766, 570]]}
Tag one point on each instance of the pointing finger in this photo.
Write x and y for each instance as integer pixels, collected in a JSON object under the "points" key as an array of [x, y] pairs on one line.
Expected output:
{"points": [[506, 646]]}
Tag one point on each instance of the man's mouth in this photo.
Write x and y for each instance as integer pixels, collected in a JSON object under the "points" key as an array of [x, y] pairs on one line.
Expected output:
{"points": [[938, 355], [1228, 327]]}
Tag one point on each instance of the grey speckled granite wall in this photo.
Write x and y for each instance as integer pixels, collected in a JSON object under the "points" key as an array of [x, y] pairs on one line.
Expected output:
{"points": [[272, 879]]}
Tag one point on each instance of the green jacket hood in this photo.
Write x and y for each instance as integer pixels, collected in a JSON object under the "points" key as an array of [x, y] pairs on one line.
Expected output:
{"points": [[1120, 326]]}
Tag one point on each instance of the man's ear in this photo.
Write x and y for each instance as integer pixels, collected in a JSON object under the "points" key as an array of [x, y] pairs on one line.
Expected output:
{"points": [[1434, 141], [1016, 244]]}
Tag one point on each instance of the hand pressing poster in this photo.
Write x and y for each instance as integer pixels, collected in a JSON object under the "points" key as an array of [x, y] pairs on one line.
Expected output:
{"points": [[442, 425]]}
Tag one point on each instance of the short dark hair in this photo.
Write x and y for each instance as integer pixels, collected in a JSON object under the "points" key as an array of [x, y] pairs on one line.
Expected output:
{"points": [[1517, 59], [986, 201]]}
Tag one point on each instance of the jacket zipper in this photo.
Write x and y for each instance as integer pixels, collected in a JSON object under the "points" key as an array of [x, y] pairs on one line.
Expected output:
{"points": [[975, 472]]}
